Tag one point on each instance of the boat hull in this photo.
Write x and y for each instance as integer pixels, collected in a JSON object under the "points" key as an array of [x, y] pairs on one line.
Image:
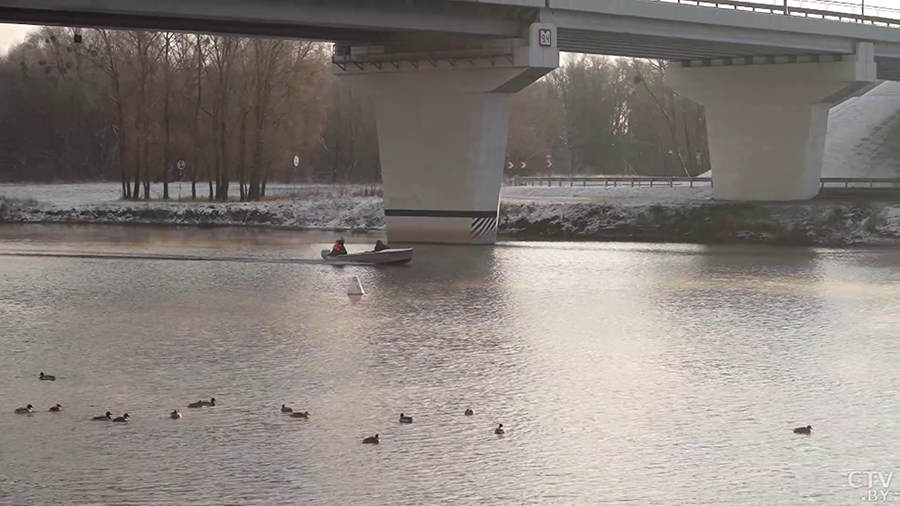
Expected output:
{"points": [[387, 256]]}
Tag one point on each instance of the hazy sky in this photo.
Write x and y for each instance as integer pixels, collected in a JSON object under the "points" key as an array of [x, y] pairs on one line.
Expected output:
{"points": [[11, 35]]}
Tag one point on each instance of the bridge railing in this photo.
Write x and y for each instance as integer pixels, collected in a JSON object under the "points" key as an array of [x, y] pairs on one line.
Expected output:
{"points": [[836, 10], [612, 181], [683, 181], [856, 182]]}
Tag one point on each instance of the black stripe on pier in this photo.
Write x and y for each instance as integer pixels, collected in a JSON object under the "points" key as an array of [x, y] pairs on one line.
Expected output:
{"points": [[430, 213]]}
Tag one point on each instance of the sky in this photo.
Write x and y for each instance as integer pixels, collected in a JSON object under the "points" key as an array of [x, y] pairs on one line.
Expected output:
{"points": [[11, 35]]}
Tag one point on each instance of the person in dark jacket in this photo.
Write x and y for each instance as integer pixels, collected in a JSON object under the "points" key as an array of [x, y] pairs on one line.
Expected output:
{"points": [[338, 248], [380, 245]]}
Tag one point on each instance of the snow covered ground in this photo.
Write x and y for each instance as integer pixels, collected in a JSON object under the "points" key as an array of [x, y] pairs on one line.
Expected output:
{"points": [[594, 213], [76, 194], [622, 195], [308, 206], [86, 194], [864, 135], [814, 223]]}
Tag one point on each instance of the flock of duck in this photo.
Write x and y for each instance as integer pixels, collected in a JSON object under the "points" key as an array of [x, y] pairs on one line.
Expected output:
{"points": [[175, 414]]}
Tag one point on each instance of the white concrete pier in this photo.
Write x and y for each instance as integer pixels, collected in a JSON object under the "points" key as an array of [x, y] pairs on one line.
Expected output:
{"points": [[442, 129], [766, 118]]}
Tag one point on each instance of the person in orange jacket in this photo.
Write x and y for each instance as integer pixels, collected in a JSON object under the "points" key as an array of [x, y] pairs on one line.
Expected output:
{"points": [[338, 248]]}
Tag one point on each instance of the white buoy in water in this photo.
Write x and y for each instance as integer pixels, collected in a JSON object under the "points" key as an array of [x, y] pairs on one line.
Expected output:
{"points": [[355, 287]]}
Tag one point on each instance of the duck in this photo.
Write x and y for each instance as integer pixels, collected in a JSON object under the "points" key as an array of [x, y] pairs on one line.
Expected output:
{"points": [[285, 409], [175, 414], [299, 414], [27, 409], [57, 408], [106, 417], [200, 404], [122, 419], [469, 412], [47, 377], [803, 430], [405, 419], [499, 429], [371, 440]]}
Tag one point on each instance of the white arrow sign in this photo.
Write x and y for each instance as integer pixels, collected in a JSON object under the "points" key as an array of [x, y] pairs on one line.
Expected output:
{"points": [[296, 161], [524, 165], [549, 162], [509, 165]]}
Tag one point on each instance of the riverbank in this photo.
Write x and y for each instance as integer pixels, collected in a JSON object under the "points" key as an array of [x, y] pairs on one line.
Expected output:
{"points": [[798, 224], [325, 207], [648, 215]]}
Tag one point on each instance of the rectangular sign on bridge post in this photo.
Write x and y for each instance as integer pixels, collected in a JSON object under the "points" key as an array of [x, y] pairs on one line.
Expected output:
{"points": [[545, 37]]}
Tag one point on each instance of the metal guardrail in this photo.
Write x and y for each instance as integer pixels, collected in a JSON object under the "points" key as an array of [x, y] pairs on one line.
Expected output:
{"points": [[684, 181], [612, 181], [872, 182], [822, 9]]}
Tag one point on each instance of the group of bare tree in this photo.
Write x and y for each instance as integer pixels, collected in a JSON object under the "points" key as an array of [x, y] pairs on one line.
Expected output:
{"points": [[230, 114], [152, 107], [599, 115]]}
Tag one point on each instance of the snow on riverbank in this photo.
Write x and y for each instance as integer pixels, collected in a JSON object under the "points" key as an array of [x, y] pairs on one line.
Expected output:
{"points": [[622, 214], [77, 194], [334, 210], [802, 224], [621, 195]]}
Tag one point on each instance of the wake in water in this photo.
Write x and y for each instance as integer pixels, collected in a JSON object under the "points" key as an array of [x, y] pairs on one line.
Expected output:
{"points": [[183, 258]]}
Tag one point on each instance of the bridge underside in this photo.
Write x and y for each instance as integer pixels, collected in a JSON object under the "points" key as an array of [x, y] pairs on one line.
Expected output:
{"points": [[441, 73], [665, 48]]}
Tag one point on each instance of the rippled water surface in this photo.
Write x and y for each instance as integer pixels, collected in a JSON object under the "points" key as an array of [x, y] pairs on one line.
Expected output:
{"points": [[624, 373]]}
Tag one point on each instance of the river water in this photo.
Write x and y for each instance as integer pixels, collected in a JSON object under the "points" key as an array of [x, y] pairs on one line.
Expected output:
{"points": [[623, 373]]}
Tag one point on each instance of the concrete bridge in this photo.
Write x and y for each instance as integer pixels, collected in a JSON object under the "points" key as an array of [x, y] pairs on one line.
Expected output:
{"points": [[441, 73]]}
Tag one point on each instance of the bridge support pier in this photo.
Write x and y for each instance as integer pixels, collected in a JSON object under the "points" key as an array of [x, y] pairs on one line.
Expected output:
{"points": [[442, 130], [766, 118]]}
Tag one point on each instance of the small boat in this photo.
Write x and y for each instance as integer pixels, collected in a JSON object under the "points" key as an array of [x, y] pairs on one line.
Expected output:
{"points": [[385, 256]]}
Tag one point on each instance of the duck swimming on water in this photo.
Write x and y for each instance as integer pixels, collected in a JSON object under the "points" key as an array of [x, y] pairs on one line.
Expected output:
{"points": [[803, 430], [57, 408], [499, 429], [285, 409], [469, 412], [405, 419], [103, 418], [122, 419], [175, 414], [27, 409], [300, 414], [47, 377], [200, 404], [371, 440]]}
